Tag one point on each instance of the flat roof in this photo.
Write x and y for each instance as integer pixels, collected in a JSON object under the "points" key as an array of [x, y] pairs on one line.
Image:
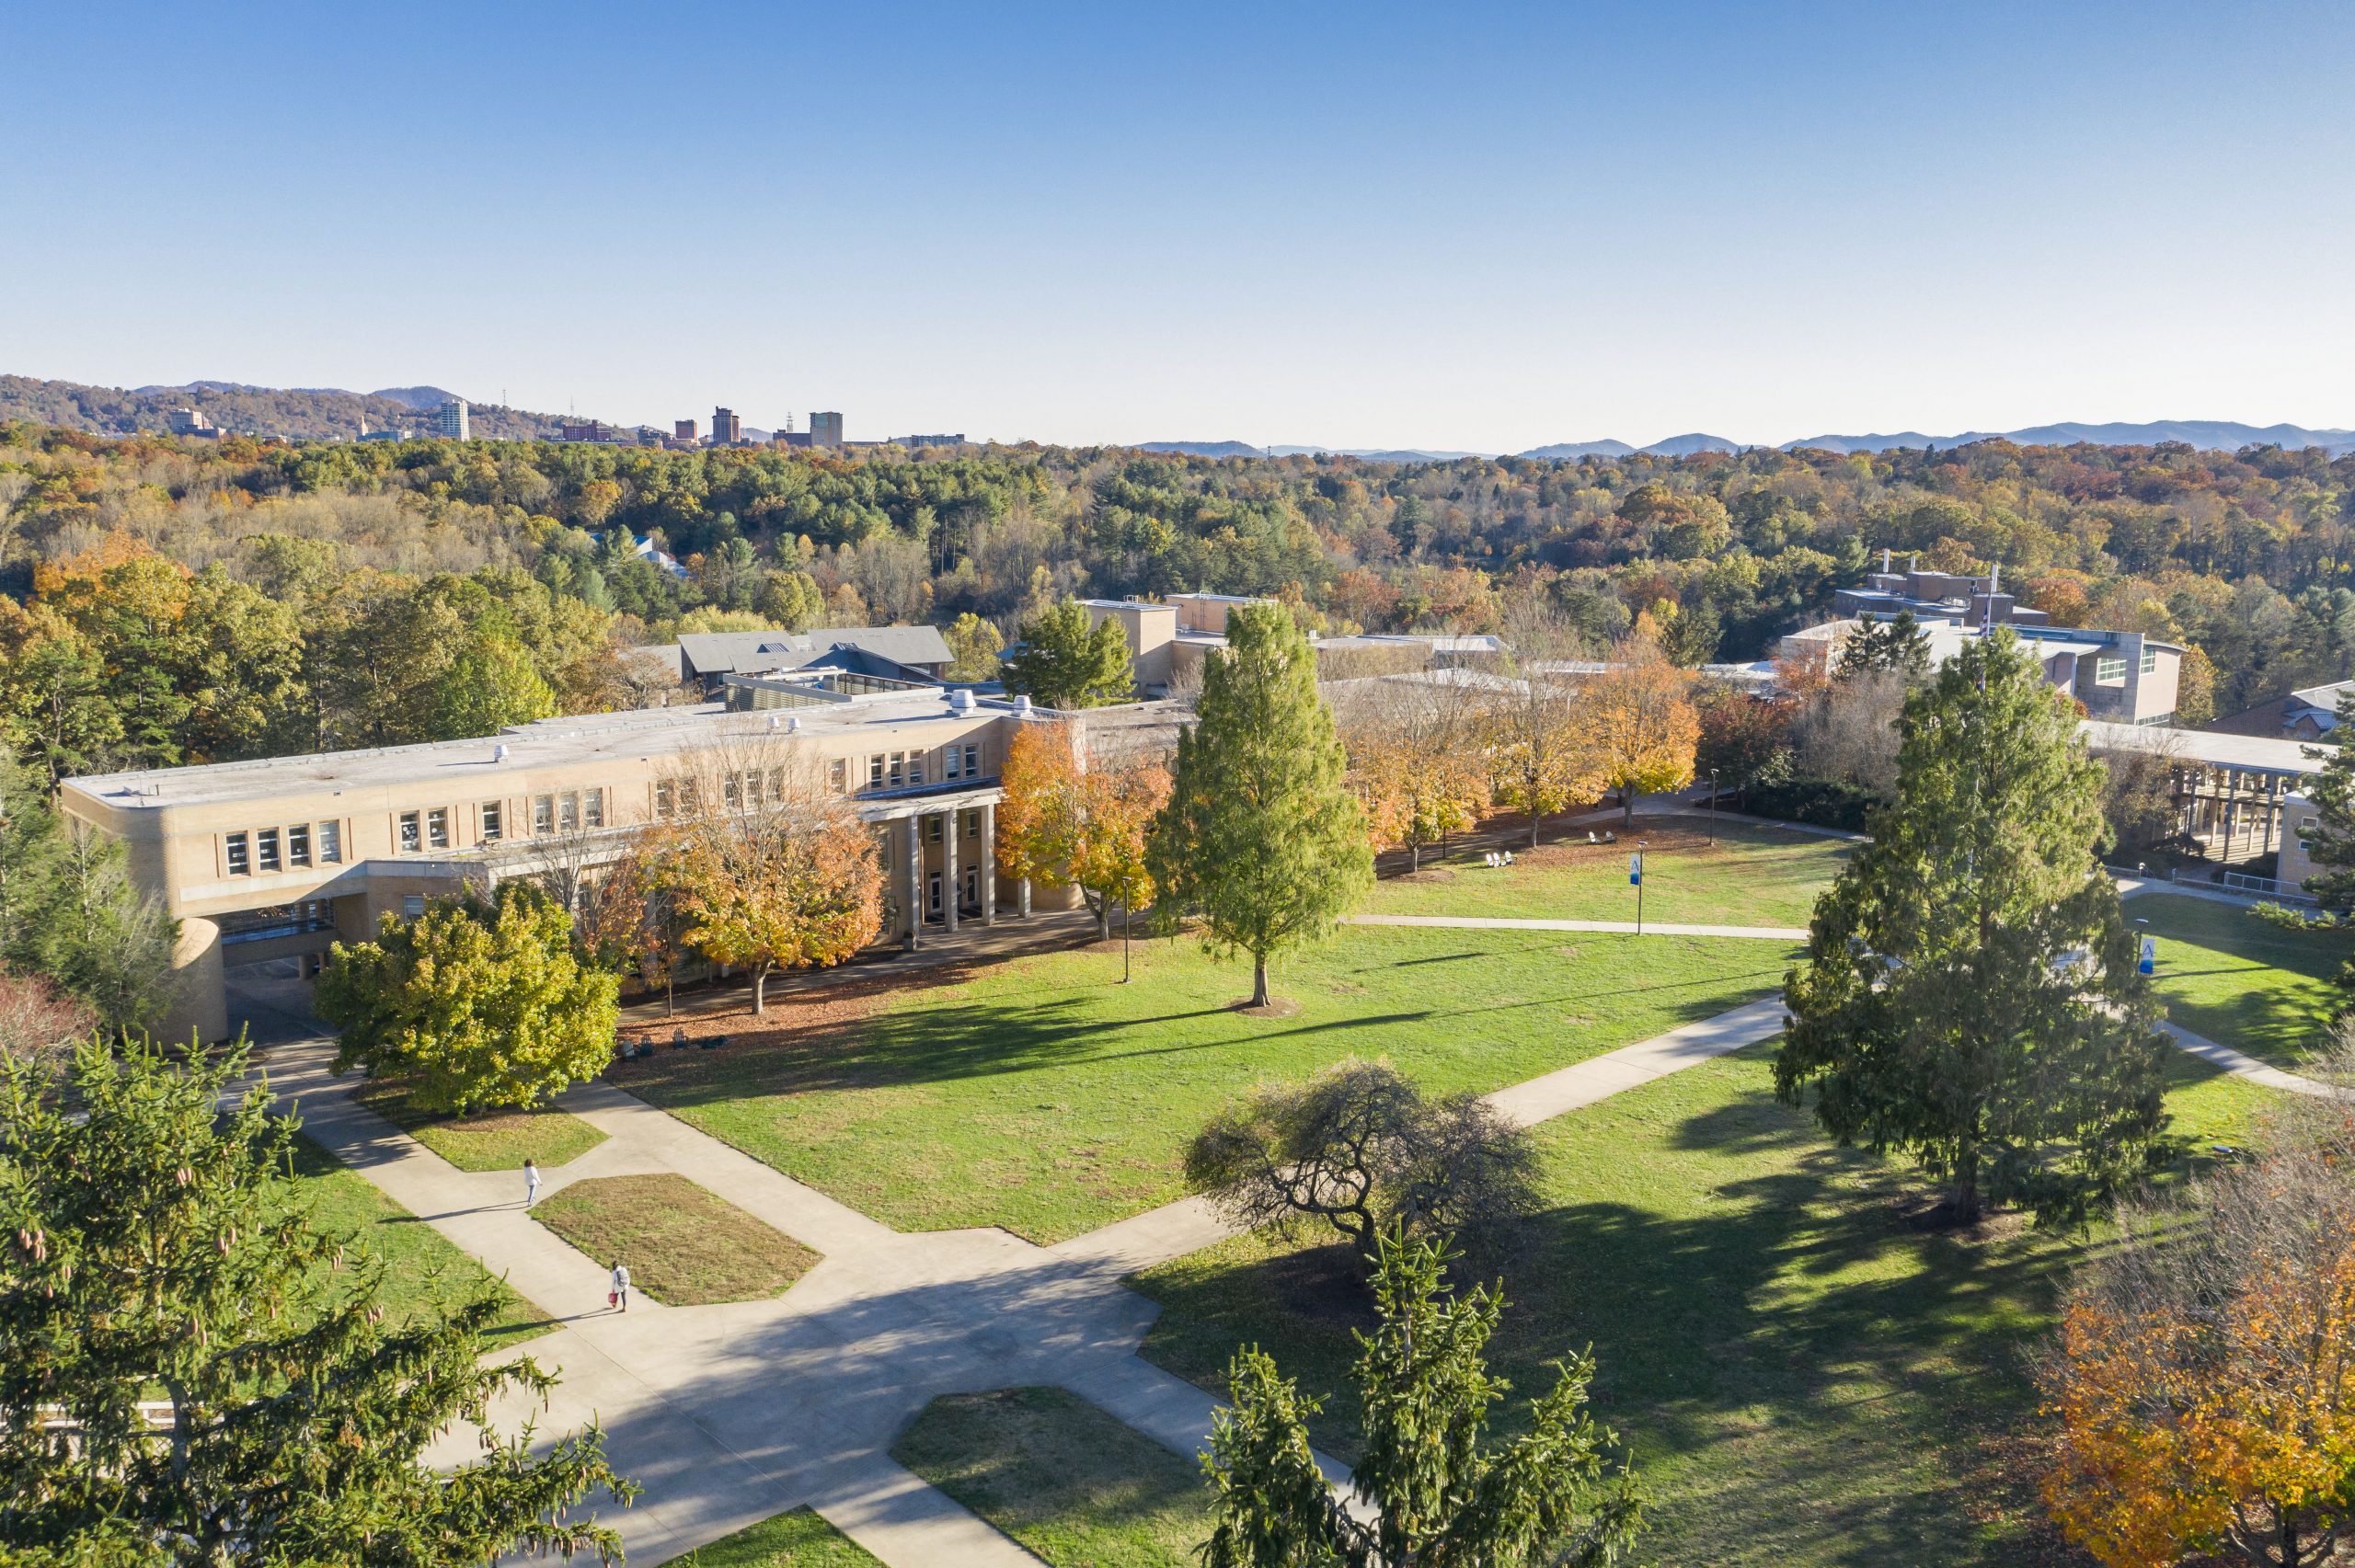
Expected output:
{"points": [[640, 734], [2251, 753]]}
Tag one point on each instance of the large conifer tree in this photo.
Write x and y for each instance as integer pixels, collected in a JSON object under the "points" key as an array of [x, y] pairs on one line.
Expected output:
{"points": [[1970, 993], [153, 1253], [1259, 832]]}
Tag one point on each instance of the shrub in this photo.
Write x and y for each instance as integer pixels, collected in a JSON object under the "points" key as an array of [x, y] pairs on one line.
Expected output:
{"points": [[1358, 1148]]}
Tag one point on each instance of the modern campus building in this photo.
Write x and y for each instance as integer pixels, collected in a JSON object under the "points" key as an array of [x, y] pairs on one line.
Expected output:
{"points": [[1169, 638], [702, 661], [278, 859], [2120, 677]]}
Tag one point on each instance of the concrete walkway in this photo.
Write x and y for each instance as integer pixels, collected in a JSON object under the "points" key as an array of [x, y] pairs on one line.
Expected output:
{"points": [[1650, 928], [727, 1414]]}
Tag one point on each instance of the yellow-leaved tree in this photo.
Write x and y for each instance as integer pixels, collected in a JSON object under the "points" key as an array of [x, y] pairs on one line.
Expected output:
{"points": [[1634, 726], [774, 871]]}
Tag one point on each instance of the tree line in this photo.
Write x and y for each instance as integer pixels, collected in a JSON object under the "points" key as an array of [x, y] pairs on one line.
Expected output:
{"points": [[2243, 557]]}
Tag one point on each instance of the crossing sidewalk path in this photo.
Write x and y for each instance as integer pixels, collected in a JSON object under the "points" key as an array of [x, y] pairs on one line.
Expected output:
{"points": [[1649, 928], [727, 1414]]}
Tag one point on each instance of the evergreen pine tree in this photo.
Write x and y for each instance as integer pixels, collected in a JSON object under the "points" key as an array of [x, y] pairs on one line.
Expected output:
{"points": [[151, 1250], [1429, 1491], [1971, 992], [1062, 664], [1261, 833]]}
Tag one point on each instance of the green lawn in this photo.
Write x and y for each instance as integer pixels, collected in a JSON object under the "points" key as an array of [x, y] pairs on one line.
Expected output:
{"points": [[346, 1202], [1753, 876], [685, 1246], [489, 1140], [2227, 975], [1806, 1377], [1075, 1486], [798, 1539], [1045, 1096]]}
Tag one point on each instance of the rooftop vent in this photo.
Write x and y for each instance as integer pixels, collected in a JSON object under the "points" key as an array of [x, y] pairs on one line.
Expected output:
{"points": [[1022, 706], [499, 753], [793, 724], [962, 700]]}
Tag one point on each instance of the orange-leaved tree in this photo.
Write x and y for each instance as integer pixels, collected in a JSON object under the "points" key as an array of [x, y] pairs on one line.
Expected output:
{"points": [[2203, 1377], [1634, 724], [1066, 824], [1412, 763], [773, 870], [1039, 802]]}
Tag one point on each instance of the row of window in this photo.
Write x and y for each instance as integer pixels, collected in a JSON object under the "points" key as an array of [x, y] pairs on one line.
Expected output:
{"points": [[563, 812], [266, 850], [2109, 669], [905, 770]]}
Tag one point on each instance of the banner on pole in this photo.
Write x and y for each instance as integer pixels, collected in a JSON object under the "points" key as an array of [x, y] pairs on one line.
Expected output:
{"points": [[2150, 954], [1636, 870]]}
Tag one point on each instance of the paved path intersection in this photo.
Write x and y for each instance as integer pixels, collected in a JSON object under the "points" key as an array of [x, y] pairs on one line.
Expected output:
{"points": [[727, 1414]]}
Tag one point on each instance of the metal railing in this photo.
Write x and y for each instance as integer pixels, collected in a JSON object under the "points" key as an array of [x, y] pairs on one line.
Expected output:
{"points": [[2243, 882]]}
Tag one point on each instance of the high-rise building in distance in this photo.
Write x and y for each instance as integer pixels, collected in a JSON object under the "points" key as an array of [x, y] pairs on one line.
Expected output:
{"points": [[825, 429], [450, 420], [727, 430], [683, 430]]}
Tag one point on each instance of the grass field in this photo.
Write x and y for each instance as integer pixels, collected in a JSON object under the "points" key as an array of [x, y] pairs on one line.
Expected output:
{"points": [[1044, 1095], [686, 1246], [1073, 1485], [346, 1202], [2241, 982], [1806, 1377], [1752, 876], [798, 1539], [489, 1140]]}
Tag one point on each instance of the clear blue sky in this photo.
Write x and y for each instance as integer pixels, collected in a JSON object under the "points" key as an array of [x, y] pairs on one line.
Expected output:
{"points": [[1476, 227]]}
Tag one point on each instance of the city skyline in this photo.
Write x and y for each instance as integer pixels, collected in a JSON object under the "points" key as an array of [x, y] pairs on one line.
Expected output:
{"points": [[1490, 233]]}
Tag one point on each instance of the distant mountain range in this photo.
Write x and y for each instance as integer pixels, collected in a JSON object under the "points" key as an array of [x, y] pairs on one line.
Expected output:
{"points": [[2209, 435], [302, 413]]}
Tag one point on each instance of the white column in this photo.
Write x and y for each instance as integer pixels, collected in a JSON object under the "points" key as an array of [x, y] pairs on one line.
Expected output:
{"points": [[915, 878], [950, 831], [989, 864], [1022, 897]]}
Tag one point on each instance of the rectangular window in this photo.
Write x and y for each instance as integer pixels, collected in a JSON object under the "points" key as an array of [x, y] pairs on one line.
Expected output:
{"points": [[932, 827], [412, 833], [266, 850], [838, 776], [2109, 669], [2150, 659], [973, 760], [413, 905], [666, 800], [331, 843], [875, 772], [543, 814], [437, 828], [883, 854], [690, 797], [732, 792], [899, 769], [239, 864], [493, 818], [915, 767], [592, 807], [568, 814], [948, 769], [972, 824], [298, 845]]}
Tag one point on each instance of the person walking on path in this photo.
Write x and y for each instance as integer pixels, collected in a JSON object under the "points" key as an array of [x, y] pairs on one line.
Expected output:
{"points": [[621, 1287], [531, 1182]]}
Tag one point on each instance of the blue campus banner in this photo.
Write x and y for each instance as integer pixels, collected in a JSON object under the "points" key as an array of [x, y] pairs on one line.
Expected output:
{"points": [[1635, 871], [2150, 954]]}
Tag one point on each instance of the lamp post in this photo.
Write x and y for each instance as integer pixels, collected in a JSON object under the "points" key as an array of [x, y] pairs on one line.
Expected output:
{"points": [[1713, 808], [2146, 948], [1635, 876]]}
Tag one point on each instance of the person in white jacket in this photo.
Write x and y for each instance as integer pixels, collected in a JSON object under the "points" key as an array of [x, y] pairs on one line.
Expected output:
{"points": [[621, 1287], [531, 1182]]}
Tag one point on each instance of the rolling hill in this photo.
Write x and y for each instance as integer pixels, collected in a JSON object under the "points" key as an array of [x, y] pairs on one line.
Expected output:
{"points": [[296, 413]]}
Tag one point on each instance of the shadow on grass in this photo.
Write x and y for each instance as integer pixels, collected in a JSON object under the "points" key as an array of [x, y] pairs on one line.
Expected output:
{"points": [[1810, 1376]]}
